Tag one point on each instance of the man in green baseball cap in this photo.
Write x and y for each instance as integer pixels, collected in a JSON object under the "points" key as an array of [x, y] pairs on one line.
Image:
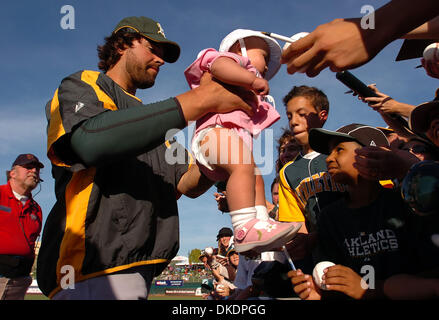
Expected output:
{"points": [[153, 31], [117, 180]]}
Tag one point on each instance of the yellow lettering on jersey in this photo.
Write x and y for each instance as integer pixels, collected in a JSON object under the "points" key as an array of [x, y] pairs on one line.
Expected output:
{"points": [[318, 182], [311, 188], [302, 191]]}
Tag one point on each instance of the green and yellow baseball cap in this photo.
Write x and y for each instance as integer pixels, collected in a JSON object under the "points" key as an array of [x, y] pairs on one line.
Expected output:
{"points": [[151, 30]]}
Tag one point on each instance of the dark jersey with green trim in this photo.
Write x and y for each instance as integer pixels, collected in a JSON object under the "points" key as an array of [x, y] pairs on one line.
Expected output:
{"points": [[306, 188], [113, 216]]}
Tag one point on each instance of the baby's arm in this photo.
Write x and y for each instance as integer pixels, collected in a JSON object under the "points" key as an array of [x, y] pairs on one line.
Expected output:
{"points": [[229, 71]]}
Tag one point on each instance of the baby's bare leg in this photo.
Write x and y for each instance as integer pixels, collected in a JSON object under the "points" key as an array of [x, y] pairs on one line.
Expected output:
{"points": [[225, 150], [253, 231], [259, 189]]}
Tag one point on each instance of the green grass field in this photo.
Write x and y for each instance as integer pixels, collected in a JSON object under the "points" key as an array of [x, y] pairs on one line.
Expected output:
{"points": [[35, 297]]}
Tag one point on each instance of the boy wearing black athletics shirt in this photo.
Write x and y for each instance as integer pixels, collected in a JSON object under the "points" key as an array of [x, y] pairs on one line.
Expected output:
{"points": [[364, 232]]}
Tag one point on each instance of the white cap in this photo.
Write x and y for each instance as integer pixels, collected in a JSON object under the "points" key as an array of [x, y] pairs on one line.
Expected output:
{"points": [[275, 49], [208, 251]]}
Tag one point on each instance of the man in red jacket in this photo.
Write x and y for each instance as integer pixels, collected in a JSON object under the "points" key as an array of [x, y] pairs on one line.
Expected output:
{"points": [[20, 226]]}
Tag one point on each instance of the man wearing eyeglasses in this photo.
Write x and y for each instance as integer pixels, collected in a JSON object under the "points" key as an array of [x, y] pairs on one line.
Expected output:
{"points": [[20, 226]]}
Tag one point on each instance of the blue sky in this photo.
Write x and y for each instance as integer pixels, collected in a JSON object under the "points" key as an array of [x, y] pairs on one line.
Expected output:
{"points": [[37, 54]]}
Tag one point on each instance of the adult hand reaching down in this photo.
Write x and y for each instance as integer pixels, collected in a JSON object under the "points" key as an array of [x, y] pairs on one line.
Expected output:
{"points": [[382, 163], [345, 44], [340, 44]]}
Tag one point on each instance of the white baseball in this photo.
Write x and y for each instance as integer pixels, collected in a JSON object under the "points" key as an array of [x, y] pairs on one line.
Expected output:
{"points": [[209, 251], [294, 38], [431, 53], [318, 272]]}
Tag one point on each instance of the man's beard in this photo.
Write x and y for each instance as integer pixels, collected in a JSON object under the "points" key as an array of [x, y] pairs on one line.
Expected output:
{"points": [[144, 83], [139, 76]]}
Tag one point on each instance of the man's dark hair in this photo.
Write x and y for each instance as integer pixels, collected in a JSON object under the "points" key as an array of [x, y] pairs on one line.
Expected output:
{"points": [[108, 53], [317, 98]]}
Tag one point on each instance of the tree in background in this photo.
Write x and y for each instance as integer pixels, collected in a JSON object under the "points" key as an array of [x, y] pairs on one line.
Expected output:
{"points": [[193, 255]]}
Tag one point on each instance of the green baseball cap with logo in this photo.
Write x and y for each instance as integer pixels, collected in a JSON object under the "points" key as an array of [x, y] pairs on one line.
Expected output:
{"points": [[151, 30]]}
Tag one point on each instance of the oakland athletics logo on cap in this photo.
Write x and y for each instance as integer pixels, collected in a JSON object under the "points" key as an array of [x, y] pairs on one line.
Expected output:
{"points": [[161, 31]]}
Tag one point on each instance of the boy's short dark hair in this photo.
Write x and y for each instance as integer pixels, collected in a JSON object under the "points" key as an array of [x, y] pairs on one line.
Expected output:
{"points": [[108, 52], [318, 98]]}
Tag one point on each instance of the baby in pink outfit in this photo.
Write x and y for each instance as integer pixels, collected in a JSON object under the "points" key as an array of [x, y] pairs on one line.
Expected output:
{"points": [[222, 143]]}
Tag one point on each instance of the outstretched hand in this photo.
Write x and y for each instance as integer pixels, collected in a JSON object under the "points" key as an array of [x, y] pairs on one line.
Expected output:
{"points": [[380, 163], [214, 96], [382, 103], [340, 44], [386, 105], [221, 200], [229, 97]]}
